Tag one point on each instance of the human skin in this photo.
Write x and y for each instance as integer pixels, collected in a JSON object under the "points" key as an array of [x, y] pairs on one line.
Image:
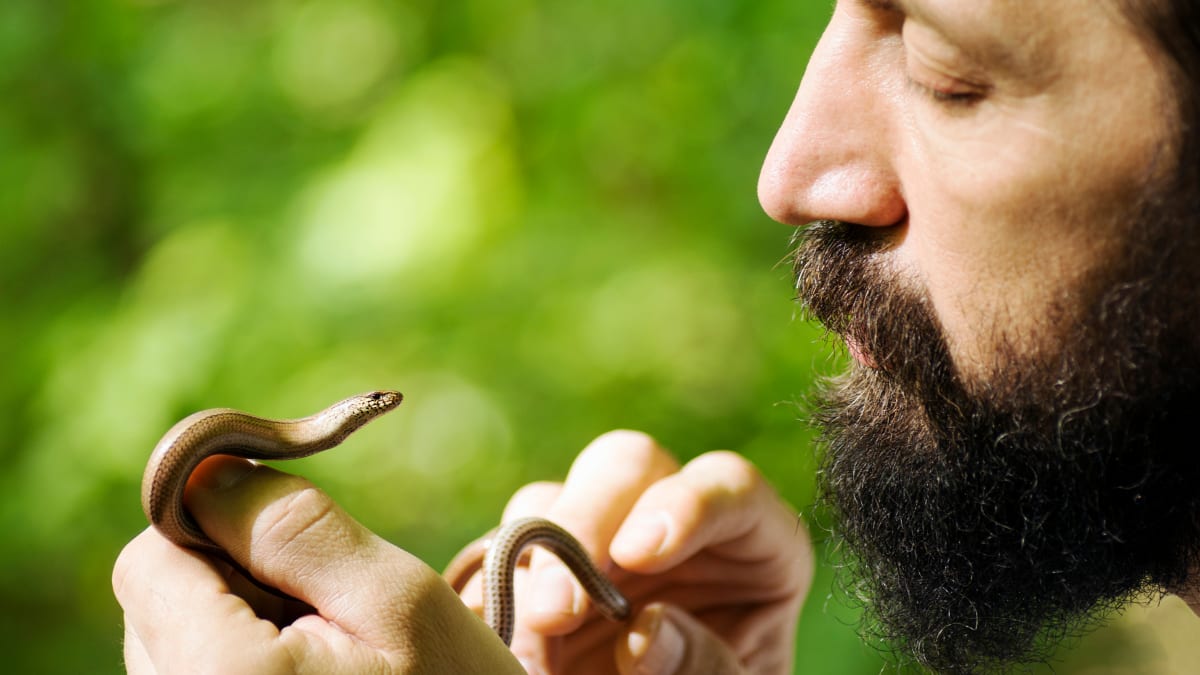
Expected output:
{"points": [[378, 609], [989, 140], [733, 561], [708, 546]]}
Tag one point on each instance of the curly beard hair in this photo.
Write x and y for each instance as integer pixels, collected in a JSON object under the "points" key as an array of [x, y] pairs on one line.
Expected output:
{"points": [[984, 520]]}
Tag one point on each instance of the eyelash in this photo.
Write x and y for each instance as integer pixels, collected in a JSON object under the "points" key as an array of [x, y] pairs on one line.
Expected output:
{"points": [[945, 98]]}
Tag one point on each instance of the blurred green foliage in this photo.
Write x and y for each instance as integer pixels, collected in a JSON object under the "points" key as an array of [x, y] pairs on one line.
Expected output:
{"points": [[536, 218]]}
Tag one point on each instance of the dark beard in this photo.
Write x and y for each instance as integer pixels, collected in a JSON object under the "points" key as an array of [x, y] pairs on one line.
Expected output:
{"points": [[985, 520]]}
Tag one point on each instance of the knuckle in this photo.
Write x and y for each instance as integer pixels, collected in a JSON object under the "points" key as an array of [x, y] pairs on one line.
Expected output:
{"points": [[625, 446], [122, 572], [739, 469], [532, 497], [128, 568], [294, 521], [738, 477]]}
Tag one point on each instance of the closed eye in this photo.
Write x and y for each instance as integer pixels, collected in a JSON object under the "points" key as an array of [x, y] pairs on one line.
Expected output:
{"points": [[946, 95]]}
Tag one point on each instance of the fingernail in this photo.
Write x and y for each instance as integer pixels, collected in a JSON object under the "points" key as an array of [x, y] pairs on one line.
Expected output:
{"points": [[655, 643], [556, 593], [646, 540]]}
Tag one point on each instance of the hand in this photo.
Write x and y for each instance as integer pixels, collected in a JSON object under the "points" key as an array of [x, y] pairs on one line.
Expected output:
{"points": [[714, 563], [363, 605]]}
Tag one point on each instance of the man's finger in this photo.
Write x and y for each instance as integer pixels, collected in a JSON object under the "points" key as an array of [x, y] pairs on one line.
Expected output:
{"points": [[179, 593], [718, 502], [665, 640], [611, 472], [137, 661], [292, 536], [533, 499]]}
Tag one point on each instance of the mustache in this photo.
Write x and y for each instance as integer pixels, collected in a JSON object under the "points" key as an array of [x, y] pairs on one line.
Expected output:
{"points": [[844, 282]]}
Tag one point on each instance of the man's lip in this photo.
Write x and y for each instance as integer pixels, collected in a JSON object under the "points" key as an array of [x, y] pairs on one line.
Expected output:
{"points": [[860, 353]]}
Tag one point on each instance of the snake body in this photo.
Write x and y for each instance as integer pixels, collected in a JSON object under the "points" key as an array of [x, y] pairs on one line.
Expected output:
{"points": [[503, 554], [231, 432]]}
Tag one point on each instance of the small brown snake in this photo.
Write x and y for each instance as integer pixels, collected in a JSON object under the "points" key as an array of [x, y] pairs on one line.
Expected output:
{"points": [[223, 431], [499, 552]]}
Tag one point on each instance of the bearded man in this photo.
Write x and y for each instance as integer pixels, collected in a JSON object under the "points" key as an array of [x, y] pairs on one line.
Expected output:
{"points": [[997, 198], [1005, 242]]}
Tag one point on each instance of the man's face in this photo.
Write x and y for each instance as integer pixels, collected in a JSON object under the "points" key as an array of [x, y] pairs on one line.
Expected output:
{"points": [[993, 139], [993, 181]]}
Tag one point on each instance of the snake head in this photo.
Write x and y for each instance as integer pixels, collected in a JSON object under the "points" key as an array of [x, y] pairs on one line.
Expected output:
{"points": [[344, 417], [372, 404]]}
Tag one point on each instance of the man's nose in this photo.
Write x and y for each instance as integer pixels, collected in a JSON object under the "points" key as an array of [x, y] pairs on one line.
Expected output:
{"points": [[834, 156]]}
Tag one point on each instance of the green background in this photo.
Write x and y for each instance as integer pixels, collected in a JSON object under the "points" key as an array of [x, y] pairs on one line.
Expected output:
{"points": [[535, 218]]}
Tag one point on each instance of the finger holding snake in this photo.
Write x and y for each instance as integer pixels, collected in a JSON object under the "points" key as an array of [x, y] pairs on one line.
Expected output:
{"points": [[613, 471], [377, 608], [713, 562]]}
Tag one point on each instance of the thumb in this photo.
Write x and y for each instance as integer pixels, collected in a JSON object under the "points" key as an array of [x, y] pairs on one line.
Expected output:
{"points": [[665, 640]]}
